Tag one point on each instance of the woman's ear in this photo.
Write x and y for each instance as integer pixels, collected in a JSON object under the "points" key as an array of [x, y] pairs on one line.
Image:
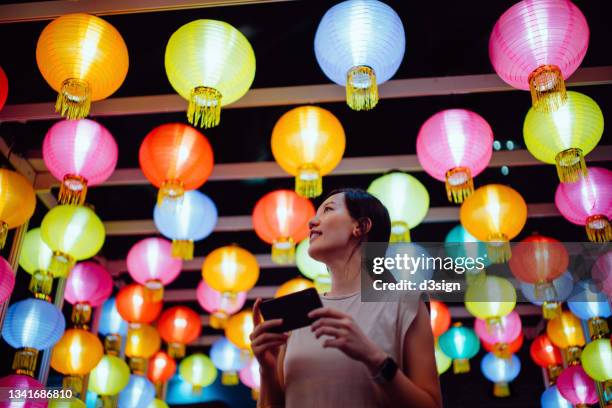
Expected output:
{"points": [[363, 226]]}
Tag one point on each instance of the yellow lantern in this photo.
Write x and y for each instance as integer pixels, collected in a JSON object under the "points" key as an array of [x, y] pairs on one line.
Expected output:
{"points": [[565, 136], [494, 213], [84, 59], [490, 298], [109, 377], [239, 328], [597, 360], [17, 202], [35, 259], [565, 332], [311, 268], [211, 64], [73, 233], [198, 370], [292, 286], [406, 199], [157, 403], [143, 341], [66, 403], [443, 362], [308, 142]]}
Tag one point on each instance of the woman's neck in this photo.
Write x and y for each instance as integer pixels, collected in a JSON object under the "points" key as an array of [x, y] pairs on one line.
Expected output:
{"points": [[345, 275]]}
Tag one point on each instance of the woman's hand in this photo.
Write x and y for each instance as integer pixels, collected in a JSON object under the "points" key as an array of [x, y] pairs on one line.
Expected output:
{"points": [[266, 344], [347, 337]]}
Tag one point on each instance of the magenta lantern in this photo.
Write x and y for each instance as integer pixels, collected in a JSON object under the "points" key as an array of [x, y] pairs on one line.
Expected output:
{"points": [[455, 145], [536, 44], [576, 386], [151, 264], [602, 273], [80, 153], [88, 282], [21, 382], [7, 280], [500, 335], [217, 305], [588, 202]]}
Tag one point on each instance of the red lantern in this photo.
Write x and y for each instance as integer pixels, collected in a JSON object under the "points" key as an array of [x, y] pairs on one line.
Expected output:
{"points": [[161, 367], [439, 317], [3, 88], [135, 305], [179, 326], [545, 354], [512, 347]]}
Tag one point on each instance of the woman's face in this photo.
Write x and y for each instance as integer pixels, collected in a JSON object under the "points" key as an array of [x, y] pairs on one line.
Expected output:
{"points": [[331, 229]]}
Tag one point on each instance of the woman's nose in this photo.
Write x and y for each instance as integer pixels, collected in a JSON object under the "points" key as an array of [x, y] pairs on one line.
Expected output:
{"points": [[314, 221]]}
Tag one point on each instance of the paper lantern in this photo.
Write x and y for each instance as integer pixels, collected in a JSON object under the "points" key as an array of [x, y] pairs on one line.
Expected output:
{"points": [[281, 218], [308, 142], [360, 44], [22, 383], [590, 304], [461, 244], [454, 146], [602, 273], [84, 59], [500, 335], [73, 402], [31, 325], [597, 360], [211, 64], [151, 264], [577, 387], [552, 398], [408, 250], [217, 305], [494, 213], [406, 199], [227, 358], [565, 136], [439, 317], [161, 367], [198, 370], [109, 377], [513, 347], [4, 86], [17, 202], [500, 371], [175, 158], [179, 326], [138, 393], [562, 286], [490, 299], [545, 354], [311, 268], [136, 306], [249, 376], [35, 259], [73, 233], [7, 280], [292, 286], [88, 285], [239, 328], [536, 45], [588, 202], [459, 343], [565, 331], [184, 221], [157, 403], [112, 326], [142, 342], [443, 362]]}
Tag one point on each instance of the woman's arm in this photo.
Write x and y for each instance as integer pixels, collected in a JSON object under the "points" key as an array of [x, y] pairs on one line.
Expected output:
{"points": [[271, 394]]}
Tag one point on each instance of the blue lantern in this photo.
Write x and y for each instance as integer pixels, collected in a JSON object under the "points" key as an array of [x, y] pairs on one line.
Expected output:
{"points": [[139, 393], [500, 371], [112, 326], [227, 358], [588, 303], [552, 398], [189, 219], [359, 44], [563, 285], [459, 343]]}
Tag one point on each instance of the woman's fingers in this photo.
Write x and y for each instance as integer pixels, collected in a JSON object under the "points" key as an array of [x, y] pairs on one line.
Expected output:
{"points": [[256, 315], [265, 327], [327, 321], [266, 337], [326, 312], [330, 331]]}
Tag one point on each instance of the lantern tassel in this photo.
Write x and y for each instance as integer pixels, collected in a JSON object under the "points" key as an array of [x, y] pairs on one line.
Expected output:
{"points": [[138, 365], [183, 249], [154, 290], [171, 189], [283, 251], [229, 378], [81, 315], [459, 184], [553, 373], [400, 232], [498, 248], [218, 319], [41, 284], [73, 190], [255, 393], [361, 88], [61, 264], [25, 361], [572, 355], [547, 88], [501, 390], [176, 350], [570, 165], [74, 99], [308, 182], [550, 310], [204, 107], [598, 228], [461, 365], [3, 233], [112, 344], [501, 350], [108, 401], [598, 328], [75, 383]]}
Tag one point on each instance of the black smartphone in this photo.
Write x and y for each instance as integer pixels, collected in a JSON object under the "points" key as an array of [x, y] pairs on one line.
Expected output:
{"points": [[292, 308]]}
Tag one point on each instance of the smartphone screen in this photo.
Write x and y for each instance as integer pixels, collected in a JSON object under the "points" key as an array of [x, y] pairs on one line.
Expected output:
{"points": [[292, 308]]}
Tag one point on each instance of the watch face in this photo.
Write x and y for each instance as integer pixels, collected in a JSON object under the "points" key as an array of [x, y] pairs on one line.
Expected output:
{"points": [[387, 371]]}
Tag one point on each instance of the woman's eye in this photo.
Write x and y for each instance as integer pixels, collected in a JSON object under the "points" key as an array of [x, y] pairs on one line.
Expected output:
{"points": [[327, 208]]}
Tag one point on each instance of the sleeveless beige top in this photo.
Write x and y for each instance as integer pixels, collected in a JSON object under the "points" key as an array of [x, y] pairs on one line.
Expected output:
{"points": [[325, 377]]}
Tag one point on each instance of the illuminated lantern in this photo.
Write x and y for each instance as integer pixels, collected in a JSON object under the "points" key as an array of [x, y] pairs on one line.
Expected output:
{"points": [[73, 233], [179, 326], [564, 137], [565, 331], [577, 387], [157, 403], [461, 244], [561, 288], [536, 45], [513, 347], [545, 354], [459, 343], [308, 142], [439, 317], [151, 264], [494, 213], [198, 370], [360, 44], [135, 306], [406, 199], [490, 299], [217, 305], [138, 393], [501, 335], [75, 355], [112, 326], [500, 371], [443, 362], [552, 398], [142, 342], [417, 275], [602, 273], [588, 202], [73, 402], [184, 221], [249, 376], [589, 304], [292, 286], [311, 268], [35, 259], [239, 328], [22, 383], [281, 218], [81, 154], [109, 377], [211, 64], [175, 158], [453, 146], [4, 86], [597, 360], [161, 368], [7, 280], [84, 59], [227, 358], [88, 285], [17, 202]]}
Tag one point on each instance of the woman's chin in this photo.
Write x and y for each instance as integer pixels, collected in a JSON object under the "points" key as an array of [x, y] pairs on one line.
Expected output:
{"points": [[316, 251]]}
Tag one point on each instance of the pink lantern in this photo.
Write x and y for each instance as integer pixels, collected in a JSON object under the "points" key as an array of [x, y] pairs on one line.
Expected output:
{"points": [[151, 264], [220, 307], [81, 153], [21, 382], [455, 145], [249, 374], [602, 273], [536, 44], [88, 282], [7, 280], [500, 335], [577, 387], [588, 202]]}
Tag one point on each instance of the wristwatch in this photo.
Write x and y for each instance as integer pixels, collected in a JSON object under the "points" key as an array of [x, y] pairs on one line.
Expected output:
{"points": [[386, 372]]}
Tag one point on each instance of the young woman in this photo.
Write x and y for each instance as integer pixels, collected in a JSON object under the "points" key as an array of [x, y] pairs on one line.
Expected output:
{"points": [[355, 354]]}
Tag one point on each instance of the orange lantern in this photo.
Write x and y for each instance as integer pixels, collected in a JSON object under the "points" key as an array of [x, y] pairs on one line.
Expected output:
{"points": [[292, 286], [565, 332], [281, 218], [545, 354], [179, 326], [135, 305], [17, 202], [439, 317], [175, 158], [495, 214], [142, 342], [161, 367], [239, 328]]}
